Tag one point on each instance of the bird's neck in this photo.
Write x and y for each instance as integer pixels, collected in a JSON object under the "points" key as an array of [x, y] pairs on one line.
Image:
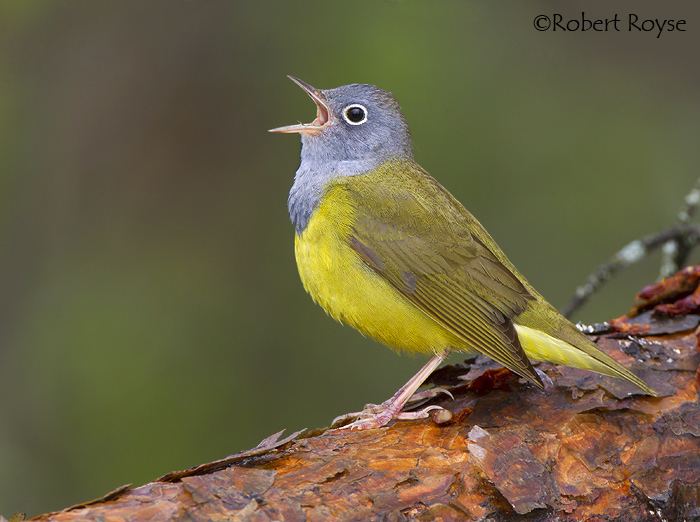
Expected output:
{"points": [[311, 179]]}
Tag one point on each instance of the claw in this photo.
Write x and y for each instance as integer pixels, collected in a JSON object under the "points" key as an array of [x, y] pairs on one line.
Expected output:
{"points": [[370, 421], [341, 419], [420, 414], [367, 411], [429, 394]]}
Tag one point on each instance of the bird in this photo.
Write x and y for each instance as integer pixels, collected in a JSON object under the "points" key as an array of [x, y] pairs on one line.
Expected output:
{"points": [[383, 247]]}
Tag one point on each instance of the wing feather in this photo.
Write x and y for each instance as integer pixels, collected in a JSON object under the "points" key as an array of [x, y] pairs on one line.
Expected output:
{"points": [[432, 257]]}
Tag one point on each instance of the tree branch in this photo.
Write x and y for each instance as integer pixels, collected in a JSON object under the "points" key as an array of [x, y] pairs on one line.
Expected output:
{"points": [[677, 242], [676, 252], [588, 448], [633, 252]]}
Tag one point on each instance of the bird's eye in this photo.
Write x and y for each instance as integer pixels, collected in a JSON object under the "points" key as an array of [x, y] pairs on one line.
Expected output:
{"points": [[355, 114]]}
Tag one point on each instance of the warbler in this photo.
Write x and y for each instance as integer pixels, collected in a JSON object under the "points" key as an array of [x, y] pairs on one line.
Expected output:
{"points": [[381, 246]]}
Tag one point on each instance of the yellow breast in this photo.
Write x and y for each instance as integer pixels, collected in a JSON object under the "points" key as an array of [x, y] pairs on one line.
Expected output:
{"points": [[338, 280]]}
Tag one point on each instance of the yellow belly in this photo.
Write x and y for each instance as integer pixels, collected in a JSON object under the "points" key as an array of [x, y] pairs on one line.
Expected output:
{"points": [[338, 280]]}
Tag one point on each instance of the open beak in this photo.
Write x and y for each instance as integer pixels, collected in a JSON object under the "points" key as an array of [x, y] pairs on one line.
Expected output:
{"points": [[323, 113]]}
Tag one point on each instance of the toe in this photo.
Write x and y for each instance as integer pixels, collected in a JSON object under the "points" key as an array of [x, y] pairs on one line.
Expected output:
{"points": [[370, 422], [430, 394], [420, 414]]}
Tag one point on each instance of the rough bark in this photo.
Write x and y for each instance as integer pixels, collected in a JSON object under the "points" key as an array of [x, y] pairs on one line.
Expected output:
{"points": [[587, 448]]}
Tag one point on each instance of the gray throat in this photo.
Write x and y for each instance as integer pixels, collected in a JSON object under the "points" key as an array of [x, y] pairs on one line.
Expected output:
{"points": [[310, 182]]}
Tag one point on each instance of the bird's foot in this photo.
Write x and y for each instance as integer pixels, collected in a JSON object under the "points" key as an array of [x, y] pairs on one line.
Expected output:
{"points": [[364, 420], [378, 411], [379, 415]]}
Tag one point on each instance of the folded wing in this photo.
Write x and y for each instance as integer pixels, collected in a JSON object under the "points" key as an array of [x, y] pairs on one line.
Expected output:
{"points": [[417, 237]]}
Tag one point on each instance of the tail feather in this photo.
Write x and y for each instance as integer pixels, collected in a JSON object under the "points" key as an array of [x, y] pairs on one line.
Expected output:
{"points": [[541, 346]]}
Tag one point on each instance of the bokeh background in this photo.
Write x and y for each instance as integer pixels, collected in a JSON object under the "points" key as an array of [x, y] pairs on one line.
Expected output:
{"points": [[151, 317]]}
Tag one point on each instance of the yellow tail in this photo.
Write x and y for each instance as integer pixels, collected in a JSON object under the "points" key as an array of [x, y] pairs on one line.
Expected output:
{"points": [[540, 346]]}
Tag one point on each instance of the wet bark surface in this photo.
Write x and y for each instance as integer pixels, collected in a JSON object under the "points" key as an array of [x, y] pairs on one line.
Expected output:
{"points": [[587, 448]]}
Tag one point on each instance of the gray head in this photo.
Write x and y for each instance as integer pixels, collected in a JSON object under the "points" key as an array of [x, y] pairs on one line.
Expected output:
{"points": [[357, 127], [356, 122]]}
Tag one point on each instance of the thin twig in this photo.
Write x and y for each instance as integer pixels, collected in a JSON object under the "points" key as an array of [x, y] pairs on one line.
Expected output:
{"points": [[675, 253], [628, 255]]}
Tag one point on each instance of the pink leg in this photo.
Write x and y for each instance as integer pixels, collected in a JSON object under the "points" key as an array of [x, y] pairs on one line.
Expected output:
{"points": [[380, 415]]}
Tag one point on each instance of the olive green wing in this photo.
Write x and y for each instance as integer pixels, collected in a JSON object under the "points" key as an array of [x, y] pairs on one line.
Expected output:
{"points": [[409, 230]]}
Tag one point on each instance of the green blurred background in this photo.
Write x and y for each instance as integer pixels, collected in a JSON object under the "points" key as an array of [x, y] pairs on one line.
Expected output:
{"points": [[151, 317]]}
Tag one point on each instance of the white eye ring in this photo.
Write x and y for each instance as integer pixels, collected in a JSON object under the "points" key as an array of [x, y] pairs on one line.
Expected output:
{"points": [[355, 106]]}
